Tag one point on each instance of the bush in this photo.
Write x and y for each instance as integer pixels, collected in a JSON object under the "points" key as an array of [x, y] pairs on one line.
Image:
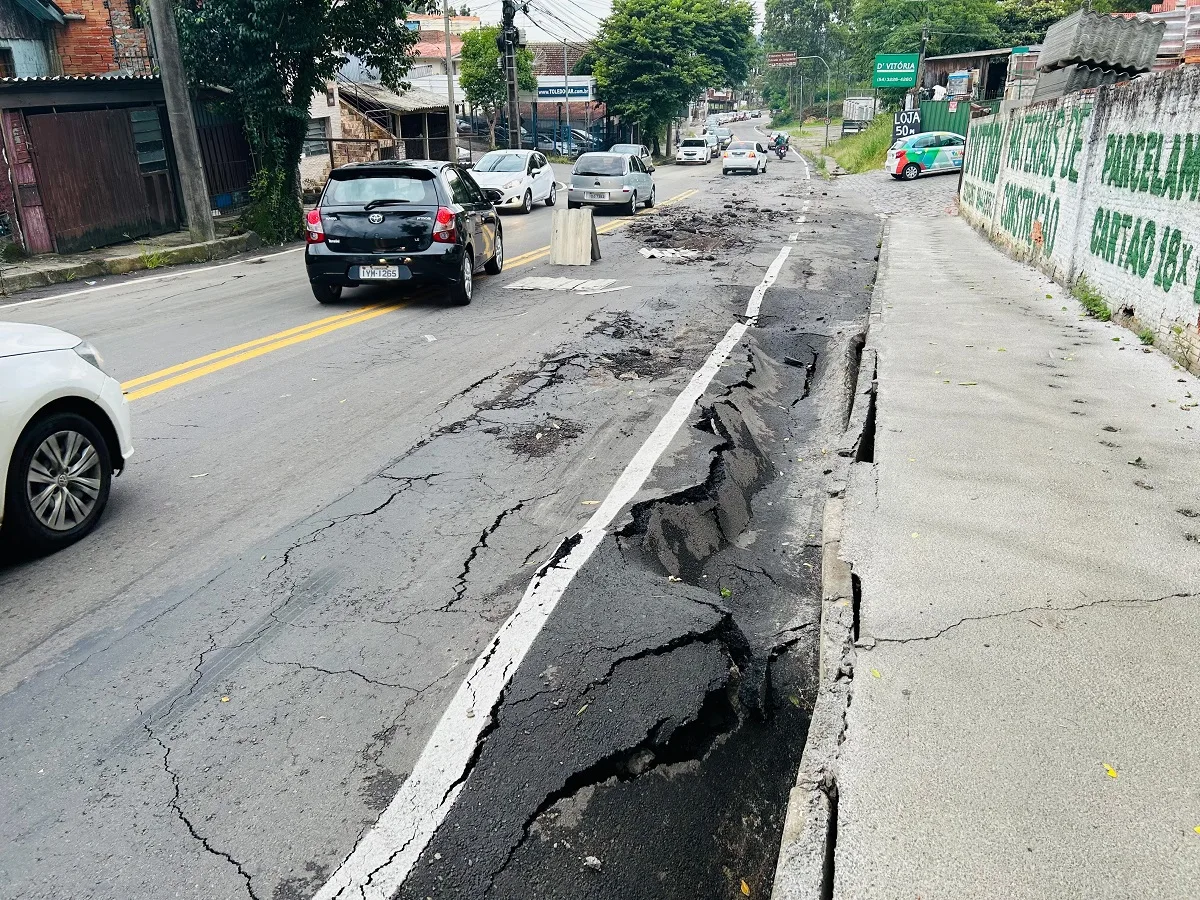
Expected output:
{"points": [[1090, 300], [274, 213], [866, 150]]}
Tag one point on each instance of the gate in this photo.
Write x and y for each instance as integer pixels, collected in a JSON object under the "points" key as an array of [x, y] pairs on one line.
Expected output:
{"points": [[93, 186]]}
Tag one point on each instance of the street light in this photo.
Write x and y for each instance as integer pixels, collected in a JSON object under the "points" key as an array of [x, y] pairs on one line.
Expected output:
{"points": [[828, 79]]}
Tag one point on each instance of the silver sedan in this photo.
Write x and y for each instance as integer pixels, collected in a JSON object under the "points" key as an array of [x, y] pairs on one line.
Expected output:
{"points": [[610, 179]]}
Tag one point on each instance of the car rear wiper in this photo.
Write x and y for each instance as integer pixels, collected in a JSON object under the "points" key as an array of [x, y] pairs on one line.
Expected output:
{"points": [[375, 203]]}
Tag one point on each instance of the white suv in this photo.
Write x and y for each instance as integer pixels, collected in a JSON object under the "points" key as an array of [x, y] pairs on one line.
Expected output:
{"points": [[693, 150], [64, 433]]}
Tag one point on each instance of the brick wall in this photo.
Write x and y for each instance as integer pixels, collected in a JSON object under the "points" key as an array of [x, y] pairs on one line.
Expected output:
{"points": [[108, 39], [1102, 186]]}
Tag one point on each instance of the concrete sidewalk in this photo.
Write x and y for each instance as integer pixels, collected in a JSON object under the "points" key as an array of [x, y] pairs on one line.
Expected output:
{"points": [[1024, 715], [171, 249]]}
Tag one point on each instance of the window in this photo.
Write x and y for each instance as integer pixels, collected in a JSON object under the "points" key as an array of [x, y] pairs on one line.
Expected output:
{"points": [[148, 139], [8, 68], [636, 164], [600, 164], [924, 141], [368, 187], [499, 161], [458, 188], [316, 137], [469, 185]]}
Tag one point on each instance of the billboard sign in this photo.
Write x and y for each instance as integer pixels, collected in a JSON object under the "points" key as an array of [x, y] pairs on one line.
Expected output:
{"points": [[895, 70], [783, 60], [550, 89]]}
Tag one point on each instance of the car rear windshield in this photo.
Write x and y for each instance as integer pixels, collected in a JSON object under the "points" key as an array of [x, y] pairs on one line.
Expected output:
{"points": [[626, 148], [365, 188], [599, 164], [693, 142], [500, 162], [741, 145]]}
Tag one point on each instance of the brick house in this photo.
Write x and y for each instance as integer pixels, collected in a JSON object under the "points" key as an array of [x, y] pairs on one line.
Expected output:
{"points": [[72, 37]]}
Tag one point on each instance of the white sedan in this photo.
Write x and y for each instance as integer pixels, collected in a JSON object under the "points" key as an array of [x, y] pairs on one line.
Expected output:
{"points": [[693, 150], [64, 433], [523, 177], [744, 156]]}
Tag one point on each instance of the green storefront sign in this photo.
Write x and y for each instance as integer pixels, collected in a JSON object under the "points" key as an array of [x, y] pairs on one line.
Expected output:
{"points": [[895, 70]]}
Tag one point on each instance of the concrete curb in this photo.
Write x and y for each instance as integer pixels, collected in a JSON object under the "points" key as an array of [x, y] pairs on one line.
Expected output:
{"points": [[154, 258], [804, 870]]}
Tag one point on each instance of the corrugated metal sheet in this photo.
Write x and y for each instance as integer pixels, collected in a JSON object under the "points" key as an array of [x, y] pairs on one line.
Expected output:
{"points": [[1095, 40], [936, 115], [1052, 85]]}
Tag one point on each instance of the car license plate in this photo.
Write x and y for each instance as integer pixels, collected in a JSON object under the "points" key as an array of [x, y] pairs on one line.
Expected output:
{"points": [[379, 273], [595, 195]]}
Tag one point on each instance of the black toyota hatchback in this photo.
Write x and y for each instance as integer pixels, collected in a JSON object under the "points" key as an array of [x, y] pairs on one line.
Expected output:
{"points": [[401, 221]]}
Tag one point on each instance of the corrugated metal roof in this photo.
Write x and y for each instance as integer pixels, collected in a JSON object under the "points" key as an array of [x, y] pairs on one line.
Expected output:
{"points": [[1095, 40], [412, 100], [76, 79]]}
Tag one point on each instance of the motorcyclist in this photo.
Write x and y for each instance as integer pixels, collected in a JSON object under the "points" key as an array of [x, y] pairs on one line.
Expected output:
{"points": [[781, 143]]}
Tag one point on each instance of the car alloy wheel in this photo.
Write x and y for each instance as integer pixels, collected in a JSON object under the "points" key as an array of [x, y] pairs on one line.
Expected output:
{"points": [[911, 171], [495, 265], [527, 205], [553, 195], [63, 479]]}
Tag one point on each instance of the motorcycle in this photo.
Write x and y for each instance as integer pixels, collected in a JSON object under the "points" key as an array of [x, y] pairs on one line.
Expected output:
{"points": [[781, 150]]}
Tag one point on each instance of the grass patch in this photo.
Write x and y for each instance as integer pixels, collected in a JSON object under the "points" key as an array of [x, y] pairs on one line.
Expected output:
{"points": [[1090, 300], [1146, 336], [152, 259], [866, 150]]}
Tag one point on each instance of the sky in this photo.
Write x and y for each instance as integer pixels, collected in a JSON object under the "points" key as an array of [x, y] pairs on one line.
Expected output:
{"points": [[554, 20]]}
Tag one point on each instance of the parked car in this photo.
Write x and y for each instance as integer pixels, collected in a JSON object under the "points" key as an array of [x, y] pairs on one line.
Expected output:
{"points": [[397, 221], [714, 144], [641, 151], [744, 156], [724, 137], [522, 177], [610, 179], [931, 152], [755, 113], [64, 434], [693, 150]]}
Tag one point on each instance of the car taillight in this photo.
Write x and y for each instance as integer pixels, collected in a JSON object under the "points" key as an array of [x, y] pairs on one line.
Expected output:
{"points": [[444, 231], [314, 232], [750, 155]]}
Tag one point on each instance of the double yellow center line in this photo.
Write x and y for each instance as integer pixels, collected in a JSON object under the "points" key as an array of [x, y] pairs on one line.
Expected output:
{"points": [[182, 373]]}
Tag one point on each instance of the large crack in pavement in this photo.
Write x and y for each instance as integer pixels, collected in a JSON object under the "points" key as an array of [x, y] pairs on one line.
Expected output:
{"points": [[574, 750]]}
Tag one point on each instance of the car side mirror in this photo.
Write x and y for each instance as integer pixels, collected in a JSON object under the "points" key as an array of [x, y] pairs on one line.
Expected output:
{"points": [[536, 172], [493, 196]]}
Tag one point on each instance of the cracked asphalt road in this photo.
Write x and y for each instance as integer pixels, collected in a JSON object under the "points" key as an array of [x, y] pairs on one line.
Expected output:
{"points": [[219, 691]]}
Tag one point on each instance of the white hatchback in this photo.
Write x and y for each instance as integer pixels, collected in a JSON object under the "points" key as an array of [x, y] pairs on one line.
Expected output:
{"points": [[64, 433], [523, 177]]}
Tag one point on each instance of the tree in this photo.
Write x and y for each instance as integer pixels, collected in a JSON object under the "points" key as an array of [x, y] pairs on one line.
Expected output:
{"points": [[274, 55], [653, 56], [481, 78], [1025, 21], [808, 28], [894, 26]]}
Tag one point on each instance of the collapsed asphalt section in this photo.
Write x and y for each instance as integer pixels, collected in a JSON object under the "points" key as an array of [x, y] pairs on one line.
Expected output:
{"points": [[646, 744]]}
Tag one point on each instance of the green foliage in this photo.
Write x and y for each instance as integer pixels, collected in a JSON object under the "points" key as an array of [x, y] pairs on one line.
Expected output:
{"points": [[1146, 336], [481, 78], [1091, 301], [274, 55], [586, 64], [274, 213], [810, 28], [894, 26], [1025, 21], [653, 56], [865, 151]]}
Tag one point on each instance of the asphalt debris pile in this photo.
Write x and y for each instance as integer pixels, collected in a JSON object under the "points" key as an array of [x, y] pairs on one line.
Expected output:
{"points": [[544, 437], [708, 233]]}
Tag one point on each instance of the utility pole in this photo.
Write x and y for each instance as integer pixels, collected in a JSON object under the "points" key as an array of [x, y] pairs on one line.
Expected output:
{"points": [[921, 61], [452, 119], [183, 124], [567, 99], [510, 36], [828, 88]]}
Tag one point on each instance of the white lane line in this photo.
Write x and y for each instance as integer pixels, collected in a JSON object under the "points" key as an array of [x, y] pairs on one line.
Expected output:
{"points": [[807, 173], [386, 854], [135, 283]]}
